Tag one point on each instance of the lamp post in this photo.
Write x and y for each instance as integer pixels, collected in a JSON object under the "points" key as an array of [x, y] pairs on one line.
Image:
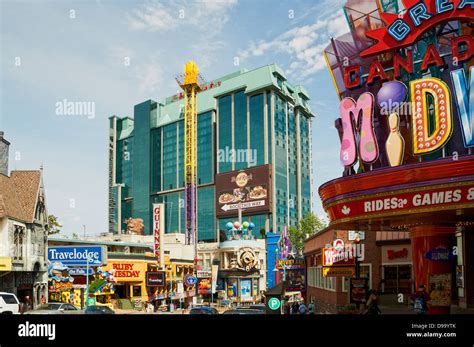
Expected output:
{"points": [[87, 282], [284, 277], [357, 263]]}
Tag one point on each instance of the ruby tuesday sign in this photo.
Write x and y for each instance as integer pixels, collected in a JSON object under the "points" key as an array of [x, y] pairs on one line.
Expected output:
{"points": [[428, 97]]}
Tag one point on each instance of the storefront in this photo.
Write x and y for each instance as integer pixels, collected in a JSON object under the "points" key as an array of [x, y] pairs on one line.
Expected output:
{"points": [[241, 288], [130, 276], [396, 269]]}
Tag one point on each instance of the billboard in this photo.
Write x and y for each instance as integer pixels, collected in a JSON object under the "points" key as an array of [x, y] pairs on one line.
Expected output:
{"points": [[204, 286], [158, 231], [296, 279], [249, 188], [78, 255], [155, 279]]}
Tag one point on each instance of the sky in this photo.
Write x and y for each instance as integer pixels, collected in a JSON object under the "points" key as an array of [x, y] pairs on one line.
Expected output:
{"points": [[116, 54]]}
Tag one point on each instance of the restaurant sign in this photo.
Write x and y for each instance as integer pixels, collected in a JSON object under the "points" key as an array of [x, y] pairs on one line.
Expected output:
{"points": [[339, 271], [247, 189]]}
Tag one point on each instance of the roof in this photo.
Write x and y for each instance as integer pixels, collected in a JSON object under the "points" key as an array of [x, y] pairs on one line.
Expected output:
{"points": [[279, 289], [60, 240], [170, 109], [19, 195]]}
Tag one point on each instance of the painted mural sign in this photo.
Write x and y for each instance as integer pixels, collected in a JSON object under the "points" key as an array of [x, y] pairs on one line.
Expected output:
{"points": [[428, 102]]}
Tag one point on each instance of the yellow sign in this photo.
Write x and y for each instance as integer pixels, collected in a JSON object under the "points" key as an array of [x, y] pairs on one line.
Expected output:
{"points": [[127, 271], [5, 264], [340, 271]]}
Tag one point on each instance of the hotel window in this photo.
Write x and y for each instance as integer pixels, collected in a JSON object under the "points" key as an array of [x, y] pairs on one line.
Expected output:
{"points": [[19, 235]]}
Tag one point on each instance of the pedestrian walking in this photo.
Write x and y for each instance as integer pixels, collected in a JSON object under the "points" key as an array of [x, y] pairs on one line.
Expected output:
{"points": [[311, 307], [294, 308], [372, 304], [302, 309], [420, 300]]}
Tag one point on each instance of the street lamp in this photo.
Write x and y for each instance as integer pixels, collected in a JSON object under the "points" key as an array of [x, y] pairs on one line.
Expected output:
{"points": [[357, 263]]}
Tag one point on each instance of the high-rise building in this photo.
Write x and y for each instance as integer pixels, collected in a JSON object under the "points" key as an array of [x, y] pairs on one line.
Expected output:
{"points": [[254, 121]]}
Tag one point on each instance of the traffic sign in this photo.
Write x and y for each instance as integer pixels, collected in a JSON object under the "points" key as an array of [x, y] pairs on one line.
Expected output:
{"points": [[274, 304], [190, 280]]}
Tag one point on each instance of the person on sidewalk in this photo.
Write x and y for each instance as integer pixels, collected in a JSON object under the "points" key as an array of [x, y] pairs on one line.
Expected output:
{"points": [[311, 307], [302, 309], [372, 304], [420, 300]]}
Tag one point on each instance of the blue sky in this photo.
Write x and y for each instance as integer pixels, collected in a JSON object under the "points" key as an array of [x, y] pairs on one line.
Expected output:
{"points": [[58, 50]]}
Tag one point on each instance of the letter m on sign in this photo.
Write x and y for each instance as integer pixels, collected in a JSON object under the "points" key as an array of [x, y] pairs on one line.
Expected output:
{"points": [[358, 130]]}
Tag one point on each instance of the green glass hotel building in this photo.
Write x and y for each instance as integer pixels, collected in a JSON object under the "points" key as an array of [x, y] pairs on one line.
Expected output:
{"points": [[257, 115]]}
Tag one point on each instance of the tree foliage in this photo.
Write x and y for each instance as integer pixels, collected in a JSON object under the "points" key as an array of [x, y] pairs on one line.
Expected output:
{"points": [[53, 225], [307, 226]]}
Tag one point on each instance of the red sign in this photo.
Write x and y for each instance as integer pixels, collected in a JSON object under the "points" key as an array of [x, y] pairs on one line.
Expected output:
{"points": [[404, 202], [404, 29], [391, 254], [333, 257], [158, 230]]}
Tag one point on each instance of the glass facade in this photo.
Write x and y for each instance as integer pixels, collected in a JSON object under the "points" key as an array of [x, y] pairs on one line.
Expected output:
{"points": [[141, 163], [149, 157], [181, 154], [240, 130], [205, 143], [280, 164], [169, 156], [292, 167], [257, 127], [156, 160], [205, 214], [225, 132], [305, 175]]}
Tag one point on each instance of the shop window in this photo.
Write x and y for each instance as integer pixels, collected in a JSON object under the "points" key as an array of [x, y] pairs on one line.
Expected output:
{"points": [[397, 279], [137, 291]]}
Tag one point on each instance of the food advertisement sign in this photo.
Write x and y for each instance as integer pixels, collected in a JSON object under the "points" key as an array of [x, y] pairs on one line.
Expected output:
{"points": [[204, 285], [358, 290], [440, 289], [249, 188]]}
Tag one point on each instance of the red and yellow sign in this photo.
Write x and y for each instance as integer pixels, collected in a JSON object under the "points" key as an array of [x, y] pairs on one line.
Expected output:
{"points": [[127, 271]]}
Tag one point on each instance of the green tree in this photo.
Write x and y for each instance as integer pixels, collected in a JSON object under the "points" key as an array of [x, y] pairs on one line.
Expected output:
{"points": [[307, 226], [53, 225]]}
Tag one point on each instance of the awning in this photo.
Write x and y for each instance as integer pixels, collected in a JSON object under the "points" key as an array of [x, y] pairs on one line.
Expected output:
{"points": [[279, 289]]}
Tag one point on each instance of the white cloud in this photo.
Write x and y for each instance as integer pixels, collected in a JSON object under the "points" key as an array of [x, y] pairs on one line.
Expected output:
{"points": [[152, 17], [168, 15], [304, 44]]}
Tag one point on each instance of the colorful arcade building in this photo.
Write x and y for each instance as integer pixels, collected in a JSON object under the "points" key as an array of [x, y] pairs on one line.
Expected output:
{"points": [[405, 78]]}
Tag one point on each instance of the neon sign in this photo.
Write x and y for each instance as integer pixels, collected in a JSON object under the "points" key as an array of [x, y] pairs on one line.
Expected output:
{"points": [[403, 29], [430, 99]]}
